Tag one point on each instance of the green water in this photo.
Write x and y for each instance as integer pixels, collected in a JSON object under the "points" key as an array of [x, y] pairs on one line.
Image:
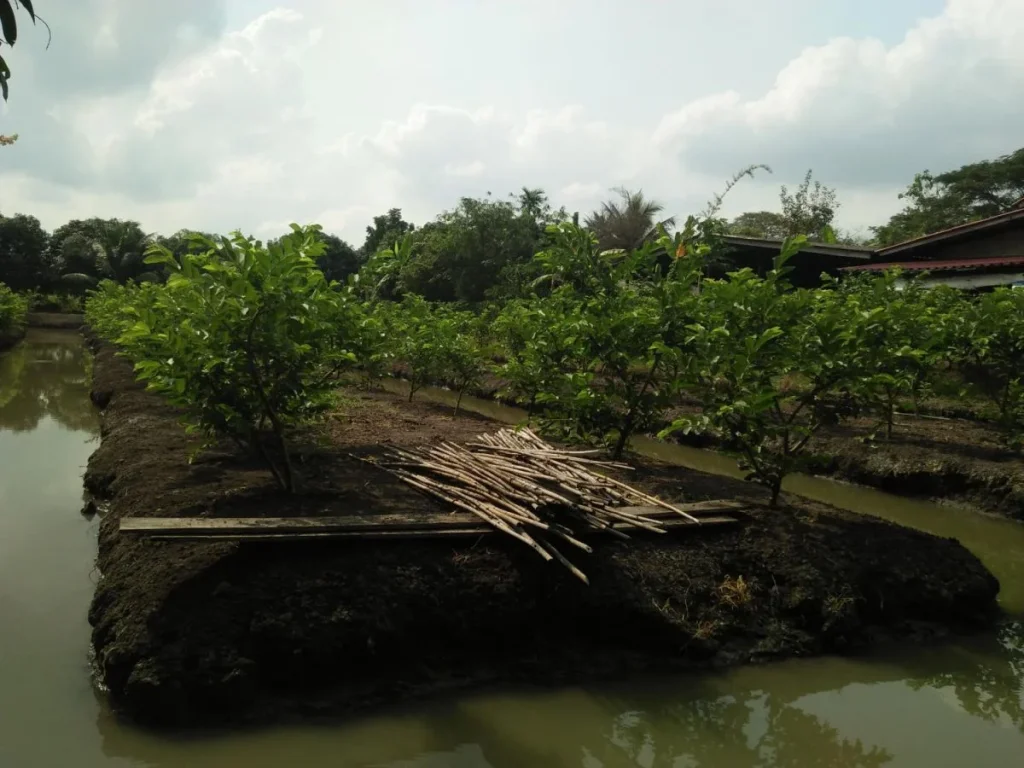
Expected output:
{"points": [[961, 704]]}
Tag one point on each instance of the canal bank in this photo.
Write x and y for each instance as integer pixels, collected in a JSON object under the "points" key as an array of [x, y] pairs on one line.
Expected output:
{"points": [[950, 704], [212, 632]]}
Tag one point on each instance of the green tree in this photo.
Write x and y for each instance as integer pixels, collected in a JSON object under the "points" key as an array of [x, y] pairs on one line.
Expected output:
{"points": [[88, 250], [905, 336], [809, 210], [121, 252], [971, 192], [466, 252], [627, 222], [533, 202], [183, 241], [72, 252], [385, 273], [770, 366], [243, 337], [339, 259], [386, 229], [13, 309], [993, 355], [535, 350], [766, 224], [24, 253]]}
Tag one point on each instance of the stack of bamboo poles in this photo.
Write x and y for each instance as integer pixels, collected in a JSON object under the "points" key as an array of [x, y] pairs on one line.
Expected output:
{"points": [[527, 489]]}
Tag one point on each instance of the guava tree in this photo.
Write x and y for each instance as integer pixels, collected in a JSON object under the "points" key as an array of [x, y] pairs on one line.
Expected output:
{"points": [[770, 366], [243, 338], [994, 357]]}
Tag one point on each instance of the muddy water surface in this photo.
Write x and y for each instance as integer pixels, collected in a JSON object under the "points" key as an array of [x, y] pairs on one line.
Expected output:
{"points": [[961, 704]]}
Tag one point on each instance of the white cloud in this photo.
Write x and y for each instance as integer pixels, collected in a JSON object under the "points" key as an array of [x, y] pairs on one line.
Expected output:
{"points": [[277, 121], [476, 168], [862, 114]]}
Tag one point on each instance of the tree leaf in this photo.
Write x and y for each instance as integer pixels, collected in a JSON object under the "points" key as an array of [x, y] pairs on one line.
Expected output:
{"points": [[8, 23]]}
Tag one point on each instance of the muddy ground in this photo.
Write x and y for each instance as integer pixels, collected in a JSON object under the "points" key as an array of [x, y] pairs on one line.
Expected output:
{"points": [[195, 633]]}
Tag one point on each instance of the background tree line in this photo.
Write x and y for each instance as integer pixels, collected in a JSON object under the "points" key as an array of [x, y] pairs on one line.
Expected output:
{"points": [[483, 247]]}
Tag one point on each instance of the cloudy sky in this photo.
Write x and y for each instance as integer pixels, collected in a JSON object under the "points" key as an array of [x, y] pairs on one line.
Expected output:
{"points": [[252, 113]]}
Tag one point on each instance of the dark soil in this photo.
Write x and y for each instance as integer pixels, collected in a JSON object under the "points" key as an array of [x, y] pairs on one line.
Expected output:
{"points": [[195, 633]]}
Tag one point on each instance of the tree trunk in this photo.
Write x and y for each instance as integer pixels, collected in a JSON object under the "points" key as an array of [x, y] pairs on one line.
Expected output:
{"points": [[624, 433], [890, 408], [289, 473]]}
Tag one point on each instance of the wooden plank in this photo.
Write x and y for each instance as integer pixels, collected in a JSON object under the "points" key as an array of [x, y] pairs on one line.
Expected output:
{"points": [[395, 535], [170, 526], [399, 535], [239, 526], [695, 508]]}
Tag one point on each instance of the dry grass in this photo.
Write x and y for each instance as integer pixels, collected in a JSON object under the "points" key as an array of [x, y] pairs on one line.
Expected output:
{"points": [[706, 629], [735, 592], [836, 605]]}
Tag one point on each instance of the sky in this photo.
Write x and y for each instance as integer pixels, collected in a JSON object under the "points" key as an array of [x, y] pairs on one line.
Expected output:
{"points": [[250, 114]]}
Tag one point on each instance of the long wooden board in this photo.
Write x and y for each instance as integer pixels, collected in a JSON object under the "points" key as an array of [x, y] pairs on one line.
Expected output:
{"points": [[375, 526], [395, 535]]}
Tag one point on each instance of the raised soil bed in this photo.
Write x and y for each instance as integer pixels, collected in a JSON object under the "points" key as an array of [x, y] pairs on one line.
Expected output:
{"points": [[190, 633]]}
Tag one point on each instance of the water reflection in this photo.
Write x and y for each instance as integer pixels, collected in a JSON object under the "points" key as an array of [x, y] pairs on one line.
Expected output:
{"points": [[45, 376], [950, 706]]}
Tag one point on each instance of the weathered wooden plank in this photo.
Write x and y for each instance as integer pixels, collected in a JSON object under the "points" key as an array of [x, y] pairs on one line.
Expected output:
{"points": [[169, 526], [395, 535], [206, 526], [311, 534], [695, 508]]}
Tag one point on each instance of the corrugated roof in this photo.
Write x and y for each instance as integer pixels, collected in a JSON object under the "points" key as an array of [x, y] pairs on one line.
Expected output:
{"points": [[940, 264], [946, 234], [829, 249]]}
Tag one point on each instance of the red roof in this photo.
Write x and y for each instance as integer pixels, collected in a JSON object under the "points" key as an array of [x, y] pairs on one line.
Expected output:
{"points": [[938, 265]]}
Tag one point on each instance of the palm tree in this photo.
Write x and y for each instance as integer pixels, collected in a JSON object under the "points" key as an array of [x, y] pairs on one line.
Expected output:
{"points": [[628, 222], [115, 249], [121, 252], [532, 201]]}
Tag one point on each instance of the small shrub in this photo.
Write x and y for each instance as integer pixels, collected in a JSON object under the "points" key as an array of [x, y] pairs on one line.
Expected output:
{"points": [[13, 312]]}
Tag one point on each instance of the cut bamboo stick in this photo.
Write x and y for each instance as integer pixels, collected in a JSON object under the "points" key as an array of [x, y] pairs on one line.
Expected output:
{"points": [[530, 490]]}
